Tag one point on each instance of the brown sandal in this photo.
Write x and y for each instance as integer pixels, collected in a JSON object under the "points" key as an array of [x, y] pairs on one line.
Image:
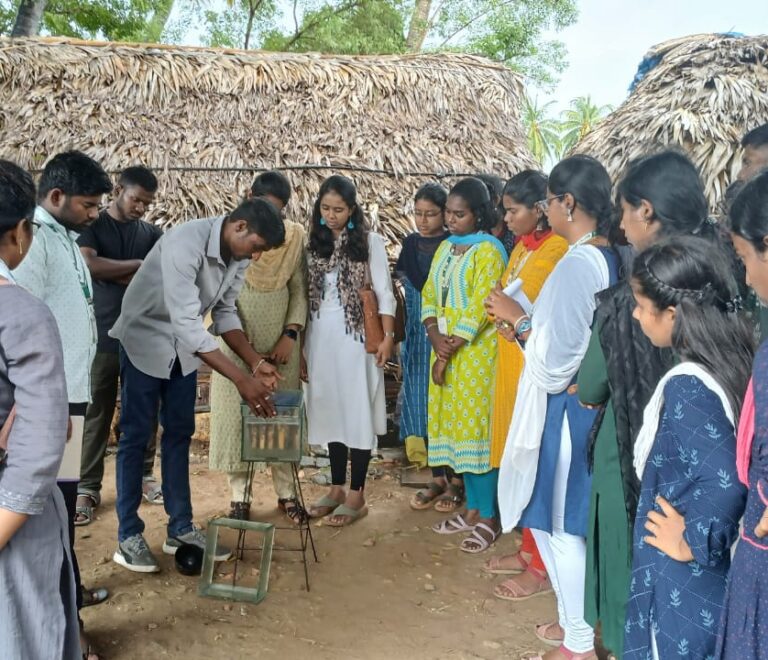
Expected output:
{"points": [[451, 500], [511, 590], [426, 498], [494, 567]]}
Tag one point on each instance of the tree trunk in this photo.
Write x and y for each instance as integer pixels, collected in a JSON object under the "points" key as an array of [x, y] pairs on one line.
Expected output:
{"points": [[28, 18], [154, 29], [417, 30]]}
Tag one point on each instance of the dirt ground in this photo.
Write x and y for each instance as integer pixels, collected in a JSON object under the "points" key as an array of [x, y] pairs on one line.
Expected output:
{"points": [[386, 587]]}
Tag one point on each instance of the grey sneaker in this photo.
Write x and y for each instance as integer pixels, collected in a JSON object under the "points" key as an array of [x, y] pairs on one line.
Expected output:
{"points": [[135, 555], [195, 537]]}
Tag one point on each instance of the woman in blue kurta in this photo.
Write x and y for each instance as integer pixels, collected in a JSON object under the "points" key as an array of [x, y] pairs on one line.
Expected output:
{"points": [[685, 453], [744, 626], [413, 268]]}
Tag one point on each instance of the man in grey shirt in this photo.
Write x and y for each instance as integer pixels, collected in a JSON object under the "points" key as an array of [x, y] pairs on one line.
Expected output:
{"points": [[197, 268]]}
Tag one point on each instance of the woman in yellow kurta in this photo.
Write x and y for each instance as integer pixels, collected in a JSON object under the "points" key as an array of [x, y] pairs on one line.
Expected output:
{"points": [[464, 270], [536, 253]]}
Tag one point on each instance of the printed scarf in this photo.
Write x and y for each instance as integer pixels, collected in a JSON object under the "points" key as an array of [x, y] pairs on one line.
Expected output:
{"points": [[351, 278]]}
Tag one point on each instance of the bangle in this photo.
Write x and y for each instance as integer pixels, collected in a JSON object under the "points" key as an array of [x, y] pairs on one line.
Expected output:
{"points": [[256, 368], [389, 333], [430, 326], [523, 327], [503, 325], [519, 321]]}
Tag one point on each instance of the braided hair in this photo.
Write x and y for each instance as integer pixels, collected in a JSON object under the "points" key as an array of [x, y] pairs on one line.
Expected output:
{"points": [[690, 274]]}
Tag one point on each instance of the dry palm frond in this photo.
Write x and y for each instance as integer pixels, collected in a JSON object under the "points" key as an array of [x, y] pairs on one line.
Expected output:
{"points": [[703, 96], [231, 111]]}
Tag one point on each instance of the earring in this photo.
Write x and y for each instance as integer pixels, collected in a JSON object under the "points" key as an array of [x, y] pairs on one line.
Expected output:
{"points": [[21, 248], [350, 225], [322, 222], [570, 215]]}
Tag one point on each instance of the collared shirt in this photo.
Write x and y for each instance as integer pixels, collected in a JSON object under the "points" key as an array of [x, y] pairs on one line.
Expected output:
{"points": [[182, 279], [55, 271]]}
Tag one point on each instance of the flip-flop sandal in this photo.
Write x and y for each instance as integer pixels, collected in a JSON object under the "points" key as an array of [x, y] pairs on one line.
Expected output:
{"points": [[476, 543], [454, 525], [541, 633], [323, 507], [545, 587], [93, 597], [84, 512], [351, 515], [493, 567], [451, 499], [154, 494], [426, 498]]}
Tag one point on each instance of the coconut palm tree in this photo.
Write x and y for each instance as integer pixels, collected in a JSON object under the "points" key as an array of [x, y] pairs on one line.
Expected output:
{"points": [[543, 132], [580, 119]]}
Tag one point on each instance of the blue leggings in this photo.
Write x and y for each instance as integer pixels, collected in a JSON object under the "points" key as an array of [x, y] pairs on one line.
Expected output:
{"points": [[481, 492]]}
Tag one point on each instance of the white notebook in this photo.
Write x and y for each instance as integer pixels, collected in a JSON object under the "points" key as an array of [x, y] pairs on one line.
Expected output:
{"points": [[515, 291]]}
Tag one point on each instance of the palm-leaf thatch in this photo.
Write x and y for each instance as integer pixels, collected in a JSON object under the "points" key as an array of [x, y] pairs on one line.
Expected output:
{"points": [[702, 96], [230, 112]]}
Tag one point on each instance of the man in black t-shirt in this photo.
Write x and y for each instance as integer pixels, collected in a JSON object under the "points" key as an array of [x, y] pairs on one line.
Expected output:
{"points": [[114, 247]]}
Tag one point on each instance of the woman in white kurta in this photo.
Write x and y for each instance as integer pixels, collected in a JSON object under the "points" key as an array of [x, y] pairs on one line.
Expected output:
{"points": [[345, 392]]}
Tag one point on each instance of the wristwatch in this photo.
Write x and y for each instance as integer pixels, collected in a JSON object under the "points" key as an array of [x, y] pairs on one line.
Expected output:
{"points": [[290, 332]]}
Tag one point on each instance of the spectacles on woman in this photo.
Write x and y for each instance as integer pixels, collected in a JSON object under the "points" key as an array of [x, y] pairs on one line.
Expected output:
{"points": [[543, 204], [427, 214]]}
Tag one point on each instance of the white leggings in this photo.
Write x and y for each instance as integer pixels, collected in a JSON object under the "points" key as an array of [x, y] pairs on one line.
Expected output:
{"points": [[565, 557]]}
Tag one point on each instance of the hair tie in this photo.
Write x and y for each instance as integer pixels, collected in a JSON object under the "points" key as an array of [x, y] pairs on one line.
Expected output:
{"points": [[735, 304]]}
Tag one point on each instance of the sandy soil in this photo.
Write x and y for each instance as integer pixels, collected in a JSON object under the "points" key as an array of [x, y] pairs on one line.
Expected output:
{"points": [[386, 587]]}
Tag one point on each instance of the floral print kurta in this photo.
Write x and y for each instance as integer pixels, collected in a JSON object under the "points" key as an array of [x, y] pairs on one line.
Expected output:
{"points": [[693, 466], [460, 410]]}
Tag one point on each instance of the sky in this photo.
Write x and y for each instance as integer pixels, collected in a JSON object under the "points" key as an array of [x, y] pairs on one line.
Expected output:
{"points": [[610, 38]]}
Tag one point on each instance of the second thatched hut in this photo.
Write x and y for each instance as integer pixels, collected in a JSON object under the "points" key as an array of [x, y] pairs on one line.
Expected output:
{"points": [[700, 93]]}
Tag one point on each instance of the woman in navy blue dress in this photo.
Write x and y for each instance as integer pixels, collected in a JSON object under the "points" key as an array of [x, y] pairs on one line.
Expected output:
{"points": [[685, 453], [744, 626]]}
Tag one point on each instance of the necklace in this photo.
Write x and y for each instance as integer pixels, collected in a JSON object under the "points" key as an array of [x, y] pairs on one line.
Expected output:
{"points": [[584, 239]]}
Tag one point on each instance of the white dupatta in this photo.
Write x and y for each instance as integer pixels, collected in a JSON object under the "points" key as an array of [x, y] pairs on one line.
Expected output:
{"points": [[562, 318], [652, 412]]}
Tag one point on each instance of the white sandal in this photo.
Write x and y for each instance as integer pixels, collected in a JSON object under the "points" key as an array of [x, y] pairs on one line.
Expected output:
{"points": [[476, 543], [454, 525]]}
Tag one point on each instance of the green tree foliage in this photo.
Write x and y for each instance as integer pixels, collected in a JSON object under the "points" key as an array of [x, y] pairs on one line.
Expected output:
{"points": [[114, 20], [579, 119], [542, 131]]}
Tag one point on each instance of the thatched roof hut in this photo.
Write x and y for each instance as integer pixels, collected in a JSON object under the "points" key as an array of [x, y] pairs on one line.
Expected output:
{"points": [[207, 119], [700, 93]]}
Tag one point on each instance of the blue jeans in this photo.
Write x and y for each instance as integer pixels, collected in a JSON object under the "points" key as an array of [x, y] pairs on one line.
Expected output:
{"points": [[140, 396]]}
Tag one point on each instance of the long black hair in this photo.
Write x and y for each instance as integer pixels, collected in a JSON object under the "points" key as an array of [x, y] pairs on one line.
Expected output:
{"points": [[476, 196], [690, 274], [588, 182], [670, 182], [527, 188], [320, 236], [749, 212]]}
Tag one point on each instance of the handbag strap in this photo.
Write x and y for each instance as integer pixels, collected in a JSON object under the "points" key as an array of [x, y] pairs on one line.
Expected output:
{"points": [[5, 430]]}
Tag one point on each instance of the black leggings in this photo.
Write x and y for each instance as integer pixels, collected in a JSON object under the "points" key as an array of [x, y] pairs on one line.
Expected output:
{"points": [[69, 491], [337, 453]]}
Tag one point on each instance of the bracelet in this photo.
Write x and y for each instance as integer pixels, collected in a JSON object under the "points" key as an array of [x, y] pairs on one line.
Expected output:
{"points": [[525, 326], [519, 321], [256, 368], [389, 333], [291, 333], [503, 325], [430, 326]]}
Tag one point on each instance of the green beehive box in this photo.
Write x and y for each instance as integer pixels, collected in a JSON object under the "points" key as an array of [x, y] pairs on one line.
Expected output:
{"points": [[275, 439]]}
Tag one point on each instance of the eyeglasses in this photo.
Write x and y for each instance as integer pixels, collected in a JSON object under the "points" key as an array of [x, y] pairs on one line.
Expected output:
{"points": [[543, 204], [35, 226], [427, 214]]}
